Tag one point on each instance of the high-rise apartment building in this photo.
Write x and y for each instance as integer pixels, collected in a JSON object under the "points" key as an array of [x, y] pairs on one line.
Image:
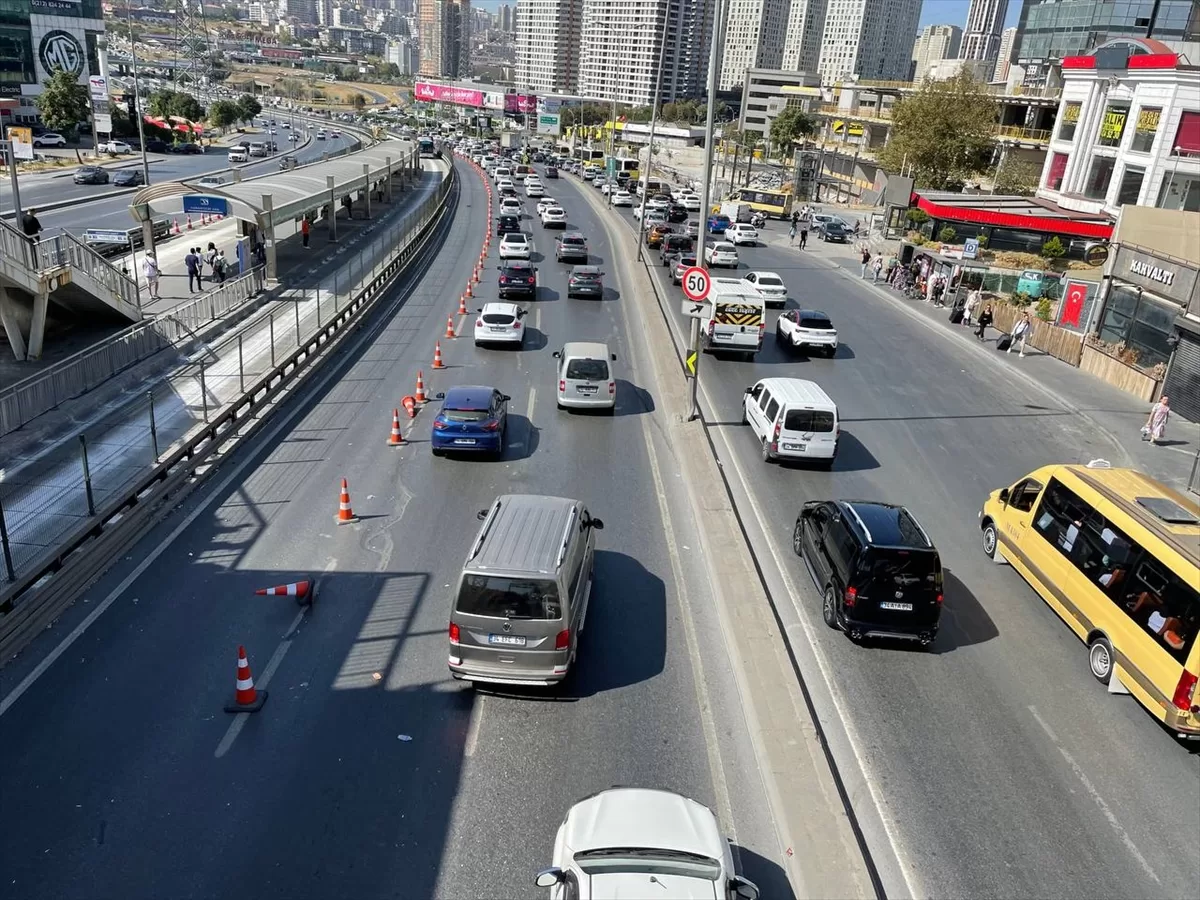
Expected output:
{"points": [[445, 30], [754, 38], [301, 11], [803, 32], [868, 38], [1008, 46], [325, 12], [506, 18], [933, 44], [981, 37], [547, 44]]}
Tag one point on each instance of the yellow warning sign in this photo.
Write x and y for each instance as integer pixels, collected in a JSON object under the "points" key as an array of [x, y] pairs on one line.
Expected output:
{"points": [[691, 362]]}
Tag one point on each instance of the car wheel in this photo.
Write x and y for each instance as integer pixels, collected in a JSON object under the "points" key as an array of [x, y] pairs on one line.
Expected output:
{"points": [[1100, 659], [798, 540], [766, 450], [745, 421], [829, 607], [991, 541]]}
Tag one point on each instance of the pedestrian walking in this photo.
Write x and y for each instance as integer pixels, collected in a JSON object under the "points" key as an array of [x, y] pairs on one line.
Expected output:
{"points": [[803, 236], [304, 230], [973, 300], [150, 270], [866, 260], [192, 261], [792, 234], [1156, 426], [220, 267], [985, 319], [30, 225], [877, 267], [1020, 333], [795, 218], [210, 257]]}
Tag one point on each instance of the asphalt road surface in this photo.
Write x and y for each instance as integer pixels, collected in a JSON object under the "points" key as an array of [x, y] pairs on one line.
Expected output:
{"points": [[1002, 768], [370, 772]]}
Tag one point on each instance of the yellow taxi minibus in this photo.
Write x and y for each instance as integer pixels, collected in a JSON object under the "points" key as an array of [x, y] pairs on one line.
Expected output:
{"points": [[1117, 555]]}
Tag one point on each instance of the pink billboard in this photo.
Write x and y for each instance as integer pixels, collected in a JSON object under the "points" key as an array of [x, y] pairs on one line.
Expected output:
{"points": [[447, 93], [520, 103]]}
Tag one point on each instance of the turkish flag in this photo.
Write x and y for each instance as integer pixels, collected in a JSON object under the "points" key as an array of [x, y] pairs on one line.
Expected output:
{"points": [[1072, 306]]}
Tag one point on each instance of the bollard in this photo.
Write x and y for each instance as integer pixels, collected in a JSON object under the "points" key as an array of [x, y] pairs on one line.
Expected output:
{"points": [[153, 428], [8, 563], [87, 476]]}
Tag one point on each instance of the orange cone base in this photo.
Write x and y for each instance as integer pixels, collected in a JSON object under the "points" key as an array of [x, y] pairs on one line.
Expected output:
{"points": [[259, 699], [350, 521]]}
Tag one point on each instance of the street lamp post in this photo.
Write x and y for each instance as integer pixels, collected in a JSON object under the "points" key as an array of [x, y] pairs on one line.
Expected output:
{"points": [[137, 98], [650, 147]]}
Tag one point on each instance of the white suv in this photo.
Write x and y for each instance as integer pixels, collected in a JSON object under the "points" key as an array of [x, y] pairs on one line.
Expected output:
{"points": [[807, 329]]}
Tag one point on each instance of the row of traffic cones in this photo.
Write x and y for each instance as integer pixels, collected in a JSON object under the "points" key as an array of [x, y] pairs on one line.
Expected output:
{"points": [[205, 219]]}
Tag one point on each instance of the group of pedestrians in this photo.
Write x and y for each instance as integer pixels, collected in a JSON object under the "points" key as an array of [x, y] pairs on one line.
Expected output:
{"points": [[801, 220], [196, 261]]}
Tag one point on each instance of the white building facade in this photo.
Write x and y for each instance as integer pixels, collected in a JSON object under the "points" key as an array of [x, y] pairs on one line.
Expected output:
{"points": [[802, 38], [981, 37], [863, 38], [754, 39], [548, 33], [933, 44], [1128, 131], [1008, 47]]}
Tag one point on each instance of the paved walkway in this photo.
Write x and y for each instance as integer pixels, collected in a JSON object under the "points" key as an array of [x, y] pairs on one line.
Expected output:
{"points": [[1119, 414]]}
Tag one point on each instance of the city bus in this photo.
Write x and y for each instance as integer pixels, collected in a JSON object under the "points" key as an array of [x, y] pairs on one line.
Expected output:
{"points": [[1116, 555], [772, 204], [427, 149]]}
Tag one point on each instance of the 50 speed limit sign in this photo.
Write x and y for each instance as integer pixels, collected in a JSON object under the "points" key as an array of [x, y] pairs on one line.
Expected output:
{"points": [[696, 283]]}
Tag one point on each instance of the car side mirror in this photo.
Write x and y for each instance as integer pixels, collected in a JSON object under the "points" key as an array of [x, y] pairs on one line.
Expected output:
{"points": [[522, 313], [504, 398], [743, 889], [613, 356], [1004, 495], [557, 354], [440, 395], [598, 524], [481, 515], [749, 390]]}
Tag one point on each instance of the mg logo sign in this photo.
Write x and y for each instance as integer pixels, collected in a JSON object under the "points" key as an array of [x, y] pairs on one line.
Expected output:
{"points": [[61, 50]]}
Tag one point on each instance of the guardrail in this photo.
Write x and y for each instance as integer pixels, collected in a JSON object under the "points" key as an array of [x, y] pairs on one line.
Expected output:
{"points": [[15, 246], [64, 249], [107, 501]]}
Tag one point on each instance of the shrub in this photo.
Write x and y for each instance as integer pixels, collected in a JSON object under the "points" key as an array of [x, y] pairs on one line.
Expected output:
{"points": [[981, 240], [947, 235], [917, 216], [1043, 309], [1053, 249]]}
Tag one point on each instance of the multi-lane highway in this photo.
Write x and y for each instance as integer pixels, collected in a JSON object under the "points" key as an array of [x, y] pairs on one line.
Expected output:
{"points": [[1001, 767], [370, 772]]}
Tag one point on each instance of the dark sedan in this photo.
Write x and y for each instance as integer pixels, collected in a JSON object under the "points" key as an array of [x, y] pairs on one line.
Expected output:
{"points": [[128, 178], [677, 213], [675, 245], [551, 172], [505, 224], [586, 281], [90, 175], [518, 278], [836, 232], [155, 146]]}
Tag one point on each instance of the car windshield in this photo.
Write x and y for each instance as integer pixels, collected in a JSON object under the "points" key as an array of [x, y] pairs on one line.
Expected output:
{"points": [[648, 860], [512, 598], [816, 323], [808, 420], [587, 370], [499, 318], [466, 415]]}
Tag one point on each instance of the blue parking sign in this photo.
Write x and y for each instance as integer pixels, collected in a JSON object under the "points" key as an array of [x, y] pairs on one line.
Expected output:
{"points": [[970, 248]]}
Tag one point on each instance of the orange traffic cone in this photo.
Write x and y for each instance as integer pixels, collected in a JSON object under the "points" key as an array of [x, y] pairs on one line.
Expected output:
{"points": [[245, 697], [437, 356], [189, 223], [395, 439], [345, 513], [410, 405], [450, 328], [420, 391], [175, 225], [470, 293], [305, 591], [462, 305]]}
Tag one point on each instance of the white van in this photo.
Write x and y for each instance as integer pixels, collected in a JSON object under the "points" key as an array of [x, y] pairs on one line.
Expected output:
{"points": [[792, 419], [239, 153], [258, 148], [734, 319]]}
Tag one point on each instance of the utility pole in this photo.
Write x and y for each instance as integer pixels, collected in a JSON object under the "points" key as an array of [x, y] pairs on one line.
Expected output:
{"points": [[714, 61], [137, 98], [650, 148]]}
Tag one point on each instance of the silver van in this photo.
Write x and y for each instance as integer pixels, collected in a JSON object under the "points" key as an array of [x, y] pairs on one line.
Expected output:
{"points": [[523, 595], [585, 378]]}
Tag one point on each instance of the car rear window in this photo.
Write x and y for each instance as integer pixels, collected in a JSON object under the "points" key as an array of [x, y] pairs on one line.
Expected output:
{"points": [[771, 282], [585, 276], [587, 370], [498, 318], [687, 261], [820, 420], [466, 415], [573, 242], [513, 598], [817, 323], [514, 237], [886, 567]]}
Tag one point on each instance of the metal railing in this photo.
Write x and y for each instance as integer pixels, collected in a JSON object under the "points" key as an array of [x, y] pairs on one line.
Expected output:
{"points": [[1017, 133], [64, 249], [15, 246]]}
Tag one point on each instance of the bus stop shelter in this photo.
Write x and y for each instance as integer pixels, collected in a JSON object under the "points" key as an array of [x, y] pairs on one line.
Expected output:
{"points": [[270, 200]]}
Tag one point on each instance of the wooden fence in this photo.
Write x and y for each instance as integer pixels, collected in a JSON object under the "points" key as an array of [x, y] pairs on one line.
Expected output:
{"points": [[1124, 377], [1057, 342]]}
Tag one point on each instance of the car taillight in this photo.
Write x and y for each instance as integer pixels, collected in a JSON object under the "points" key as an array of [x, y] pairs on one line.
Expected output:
{"points": [[493, 425], [504, 279], [710, 327], [612, 387], [940, 598], [850, 596], [479, 323], [762, 326], [1184, 691], [516, 324], [563, 639], [454, 633], [562, 386], [439, 425]]}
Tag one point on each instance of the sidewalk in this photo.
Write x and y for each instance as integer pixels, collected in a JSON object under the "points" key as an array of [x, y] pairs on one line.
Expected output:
{"points": [[1117, 414]]}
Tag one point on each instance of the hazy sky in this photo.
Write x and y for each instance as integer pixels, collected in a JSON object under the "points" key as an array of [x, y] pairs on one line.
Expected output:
{"points": [[933, 12]]}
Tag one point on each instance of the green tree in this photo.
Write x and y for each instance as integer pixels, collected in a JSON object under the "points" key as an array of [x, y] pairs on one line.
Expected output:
{"points": [[789, 127], [223, 113], [358, 101], [63, 102], [166, 103], [916, 216], [947, 235], [248, 107], [943, 131], [1017, 176], [1053, 249]]}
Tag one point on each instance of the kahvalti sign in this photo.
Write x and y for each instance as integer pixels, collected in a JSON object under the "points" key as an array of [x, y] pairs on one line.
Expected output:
{"points": [[446, 93]]}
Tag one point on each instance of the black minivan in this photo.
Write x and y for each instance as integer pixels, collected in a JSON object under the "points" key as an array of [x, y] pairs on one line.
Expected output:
{"points": [[877, 570]]}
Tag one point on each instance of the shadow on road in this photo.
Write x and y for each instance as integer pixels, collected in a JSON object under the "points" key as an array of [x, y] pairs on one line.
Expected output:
{"points": [[964, 620], [769, 876]]}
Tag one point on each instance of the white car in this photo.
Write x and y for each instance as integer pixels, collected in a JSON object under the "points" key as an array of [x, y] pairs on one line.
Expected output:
{"points": [[500, 323], [721, 253], [622, 198], [654, 217], [770, 285], [321, 135], [660, 203], [740, 233], [210, 182], [532, 178], [515, 245], [691, 203], [534, 190], [641, 842], [239, 154], [648, 211], [505, 184], [510, 206], [545, 203], [683, 193], [116, 147], [49, 139], [554, 217]]}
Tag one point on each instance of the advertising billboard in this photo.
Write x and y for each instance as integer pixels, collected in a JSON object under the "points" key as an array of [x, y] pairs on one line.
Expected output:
{"points": [[520, 103], [494, 100], [447, 93]]}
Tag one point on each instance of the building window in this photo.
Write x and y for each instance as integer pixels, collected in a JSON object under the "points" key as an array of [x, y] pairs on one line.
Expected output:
{"points": [[1112, 126], [1131, 186], [1180, 192], [1099, 177], [1145, 129], [1187, 136], [1070, 121], [1058, 166], [1142, 323]]}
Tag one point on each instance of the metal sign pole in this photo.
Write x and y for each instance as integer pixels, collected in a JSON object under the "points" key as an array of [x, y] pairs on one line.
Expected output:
{"points": [[12, 174]]}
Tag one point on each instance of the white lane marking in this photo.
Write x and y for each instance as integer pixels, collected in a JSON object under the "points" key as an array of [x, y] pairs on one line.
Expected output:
{"points": [[529, 408], [537, 318], [474, 726], [239, 719], [1113, 822]]}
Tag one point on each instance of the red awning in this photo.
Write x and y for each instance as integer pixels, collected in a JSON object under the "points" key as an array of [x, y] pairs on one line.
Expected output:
{"points": [[1187, 137], [1049, 224]]}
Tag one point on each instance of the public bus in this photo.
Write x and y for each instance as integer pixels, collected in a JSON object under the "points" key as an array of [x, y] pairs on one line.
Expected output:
{"points": [[427, 149], [772, 204], [625, 170], [1117, 555]]}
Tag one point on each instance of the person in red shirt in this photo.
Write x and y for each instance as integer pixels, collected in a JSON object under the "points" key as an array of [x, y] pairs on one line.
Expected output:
{"points": [[304, 230]]}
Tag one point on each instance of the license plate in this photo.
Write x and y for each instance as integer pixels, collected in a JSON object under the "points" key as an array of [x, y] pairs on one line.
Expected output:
{"points": [[798, 447], [900, 607], [509, 640], [587, 389], [464, 440], [499, 329]]}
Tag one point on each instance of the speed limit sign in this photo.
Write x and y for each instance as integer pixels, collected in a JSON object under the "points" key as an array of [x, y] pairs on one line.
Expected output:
{"points": [[696, 283]]}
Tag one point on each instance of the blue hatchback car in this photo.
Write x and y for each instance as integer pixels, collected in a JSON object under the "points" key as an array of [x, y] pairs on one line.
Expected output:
{"points": [[473, 419], [718, 224]]}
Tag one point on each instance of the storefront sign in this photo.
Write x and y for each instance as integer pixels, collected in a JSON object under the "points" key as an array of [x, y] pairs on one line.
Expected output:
{"points": [[1113, 124], [520, 103], [446, 93], [1095, 254], [1170, 279], [58, 48], [1154, 273]]}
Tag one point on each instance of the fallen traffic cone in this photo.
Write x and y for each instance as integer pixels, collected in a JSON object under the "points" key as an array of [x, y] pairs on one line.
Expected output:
{"points": [[450, 328], [305, 591], [395, 439], [462, 305], [420, 391], [437, 356], [410, 405], [345, 514], [245, 697]]}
